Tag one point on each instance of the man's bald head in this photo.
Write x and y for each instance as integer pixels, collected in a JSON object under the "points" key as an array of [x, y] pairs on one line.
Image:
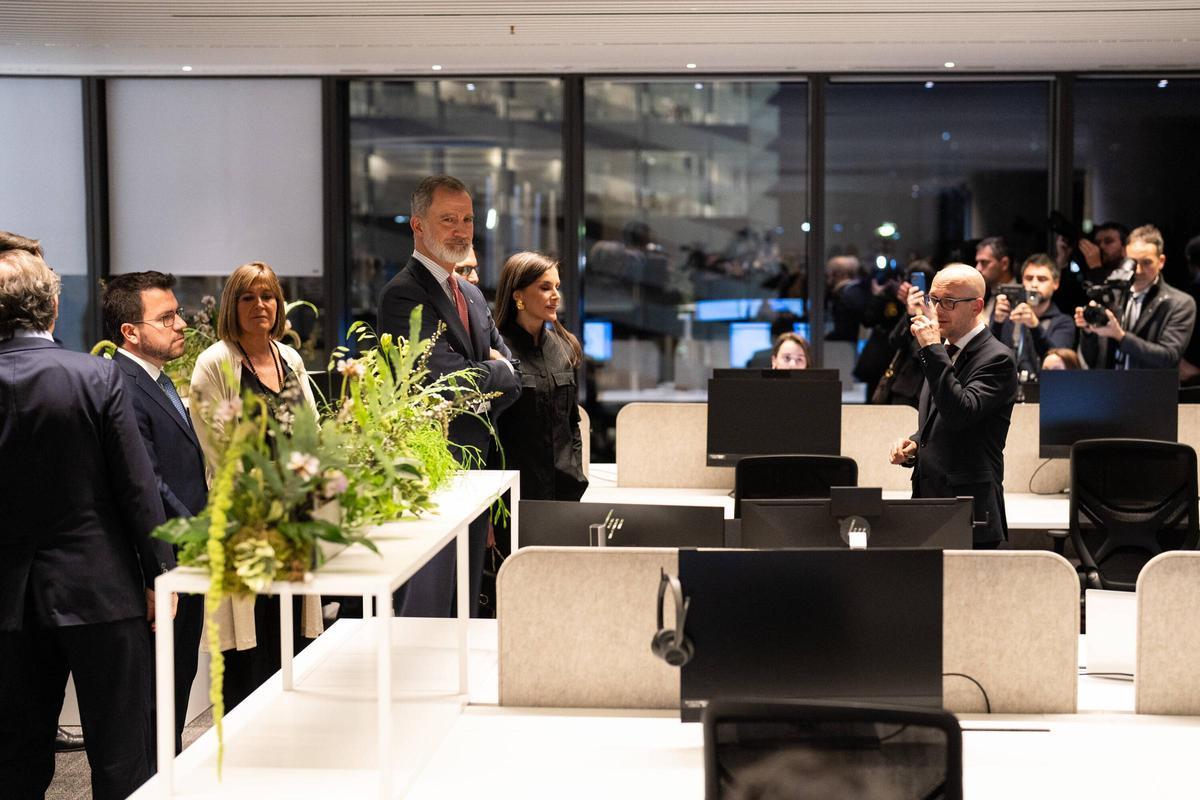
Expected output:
{"points": [[963, 275], [957, 282]]}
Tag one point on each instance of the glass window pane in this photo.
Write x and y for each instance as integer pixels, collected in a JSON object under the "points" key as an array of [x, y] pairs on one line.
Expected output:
{"points": [[695, 203], [1136, 159], [41, 160], [205, 175], [923, 170], [503, 139]]}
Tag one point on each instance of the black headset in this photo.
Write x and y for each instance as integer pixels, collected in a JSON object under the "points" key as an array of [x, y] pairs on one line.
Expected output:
{"points": [[671, 645]]}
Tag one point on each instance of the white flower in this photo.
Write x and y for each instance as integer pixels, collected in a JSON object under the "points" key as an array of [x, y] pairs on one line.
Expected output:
{"points": [[228, 410], [351, 367], [335, 483], [285, 418], [303, 464], [208, 300]]}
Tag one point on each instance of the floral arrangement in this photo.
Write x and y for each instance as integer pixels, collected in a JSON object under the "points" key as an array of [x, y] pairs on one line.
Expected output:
{"points": [[291, 479]]}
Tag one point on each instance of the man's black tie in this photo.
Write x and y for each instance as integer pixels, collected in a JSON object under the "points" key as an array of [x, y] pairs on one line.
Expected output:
{"points": [[951, 349]]}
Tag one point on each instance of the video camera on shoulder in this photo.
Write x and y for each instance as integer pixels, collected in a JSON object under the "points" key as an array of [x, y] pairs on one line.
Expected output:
{"points": [[1112, 294]]}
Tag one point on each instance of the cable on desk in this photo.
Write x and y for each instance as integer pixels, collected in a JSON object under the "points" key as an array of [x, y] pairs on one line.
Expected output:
{"points": [[1045, 461], [986, 702], [894, 733], [1085, 673]]}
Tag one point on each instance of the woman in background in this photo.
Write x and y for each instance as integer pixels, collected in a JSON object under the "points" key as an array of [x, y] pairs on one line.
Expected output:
{"points": [[790, 352], [540, 432], [250, 323], [1060, 358]]}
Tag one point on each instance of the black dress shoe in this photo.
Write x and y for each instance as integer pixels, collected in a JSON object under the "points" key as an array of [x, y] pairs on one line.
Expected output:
{"points": [[67, 742]]}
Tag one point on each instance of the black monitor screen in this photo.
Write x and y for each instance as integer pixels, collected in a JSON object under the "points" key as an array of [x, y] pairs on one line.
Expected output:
{"points": [[920, 522], [722, 374], [857, 625], [778, 748], [563, 523], [772, 417], [1106, 404]]}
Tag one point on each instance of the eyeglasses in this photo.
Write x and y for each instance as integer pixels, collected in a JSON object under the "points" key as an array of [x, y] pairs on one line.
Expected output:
{"points": [[464, 271], [167, 320], [947, 303]]}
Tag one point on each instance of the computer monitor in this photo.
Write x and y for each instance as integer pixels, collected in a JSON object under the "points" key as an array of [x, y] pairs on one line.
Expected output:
{"points": [[939, 523], [563, 523], [1106, 404], [723, 374], [847, 749], [746, 339], [836, 625], [735, 308], [764, 417], [598, 339]]}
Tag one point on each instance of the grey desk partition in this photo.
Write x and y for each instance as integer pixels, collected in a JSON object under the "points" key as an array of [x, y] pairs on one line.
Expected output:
{"points": [[1167, 675], [575, 626]]}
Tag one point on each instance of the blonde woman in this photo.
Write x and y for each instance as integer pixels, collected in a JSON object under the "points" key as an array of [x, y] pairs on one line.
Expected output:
{"points": [[250, 323]]}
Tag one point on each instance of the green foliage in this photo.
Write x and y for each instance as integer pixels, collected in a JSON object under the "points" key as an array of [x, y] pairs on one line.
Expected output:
{"points": [[289, 478]]}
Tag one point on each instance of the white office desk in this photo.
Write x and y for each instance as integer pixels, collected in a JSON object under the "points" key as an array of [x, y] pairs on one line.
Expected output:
{"points": [[317, 741], [1024, 511]]}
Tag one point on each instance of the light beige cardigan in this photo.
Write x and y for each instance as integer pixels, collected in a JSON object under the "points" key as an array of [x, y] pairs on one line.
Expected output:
{"points": [[235, 620]]}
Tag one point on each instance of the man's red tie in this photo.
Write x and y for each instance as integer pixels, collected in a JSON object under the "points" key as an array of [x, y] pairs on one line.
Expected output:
{"points": [[460, 302]]}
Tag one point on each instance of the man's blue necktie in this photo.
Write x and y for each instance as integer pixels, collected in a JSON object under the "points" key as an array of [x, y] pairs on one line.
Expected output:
{"points": [[169, 388]]}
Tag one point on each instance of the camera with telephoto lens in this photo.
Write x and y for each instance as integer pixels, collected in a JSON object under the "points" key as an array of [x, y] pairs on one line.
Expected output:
{"points": [[1110, 295]]}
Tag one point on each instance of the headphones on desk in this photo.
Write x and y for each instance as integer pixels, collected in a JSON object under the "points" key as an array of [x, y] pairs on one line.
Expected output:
{"points": [[671, 645]]}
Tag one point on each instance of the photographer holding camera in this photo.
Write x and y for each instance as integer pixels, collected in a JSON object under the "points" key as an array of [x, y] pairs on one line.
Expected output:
{"points": [[1154, 323], [1027, 321]]}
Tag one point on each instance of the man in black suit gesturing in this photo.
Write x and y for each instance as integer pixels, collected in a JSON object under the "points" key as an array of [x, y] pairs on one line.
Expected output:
{"points": [[142, 315], [77, 563], [966, 402], [443, 222]]}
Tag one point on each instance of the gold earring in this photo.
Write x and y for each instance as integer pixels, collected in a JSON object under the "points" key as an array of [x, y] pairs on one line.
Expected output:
{"points": [[520, 304]]}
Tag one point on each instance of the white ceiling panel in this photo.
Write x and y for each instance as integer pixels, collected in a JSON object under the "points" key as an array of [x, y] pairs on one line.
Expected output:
{"points": [[153, 37]]}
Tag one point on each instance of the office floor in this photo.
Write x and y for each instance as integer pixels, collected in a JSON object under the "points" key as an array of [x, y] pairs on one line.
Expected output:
{"points": [[72, 776]]}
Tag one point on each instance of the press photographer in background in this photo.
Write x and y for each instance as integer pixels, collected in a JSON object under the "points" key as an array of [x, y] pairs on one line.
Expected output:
{"points": [[1149, 329], [1025, 319]]}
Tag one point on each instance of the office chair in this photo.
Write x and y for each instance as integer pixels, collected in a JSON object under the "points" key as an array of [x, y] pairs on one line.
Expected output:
{"points": [[1131, 499], [792, 748], [790, 477]]}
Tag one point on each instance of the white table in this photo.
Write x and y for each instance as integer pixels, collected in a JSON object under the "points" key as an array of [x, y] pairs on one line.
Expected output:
{"points": [[404, 548], [1024, 511], [316, 741]]}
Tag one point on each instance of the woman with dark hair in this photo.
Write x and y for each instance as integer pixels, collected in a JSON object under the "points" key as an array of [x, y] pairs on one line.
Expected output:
{"points": [[540, 432]]}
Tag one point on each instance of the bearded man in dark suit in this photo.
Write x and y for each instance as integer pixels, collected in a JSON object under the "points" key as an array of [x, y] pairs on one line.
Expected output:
{"points": [[966, 401], [443, 221], [142, 315], [77, 563]]}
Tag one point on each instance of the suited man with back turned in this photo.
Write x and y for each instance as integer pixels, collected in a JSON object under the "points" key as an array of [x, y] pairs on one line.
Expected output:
{"points": [[142, 315], [77, 563], [966, 401], [443, 221]]}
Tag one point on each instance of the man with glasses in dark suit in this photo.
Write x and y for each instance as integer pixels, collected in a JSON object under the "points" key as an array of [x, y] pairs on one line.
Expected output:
{"points": [[142, 315], [966, 402]]}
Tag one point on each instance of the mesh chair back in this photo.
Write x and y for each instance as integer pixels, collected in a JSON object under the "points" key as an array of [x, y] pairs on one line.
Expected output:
{"points": [[1131, 499], [790, 477]]}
